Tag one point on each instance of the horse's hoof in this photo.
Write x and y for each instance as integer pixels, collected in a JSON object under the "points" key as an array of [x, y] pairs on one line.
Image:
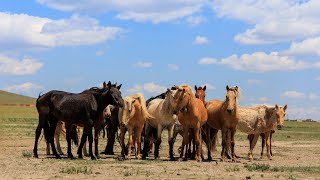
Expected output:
{"points": [[121, 158], [93, 158], [138, 157], [222, 159], [58, 156], [71, 157], [157, 158], [35, 156], [80, 157], [209, 159], [185, 159], [172, 159]]}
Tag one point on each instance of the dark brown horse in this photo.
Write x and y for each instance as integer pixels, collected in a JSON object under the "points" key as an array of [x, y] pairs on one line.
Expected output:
{"points": [[83, 109]]}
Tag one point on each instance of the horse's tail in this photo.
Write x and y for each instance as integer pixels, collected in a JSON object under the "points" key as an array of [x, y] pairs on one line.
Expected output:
{"points": [[144, 110]]}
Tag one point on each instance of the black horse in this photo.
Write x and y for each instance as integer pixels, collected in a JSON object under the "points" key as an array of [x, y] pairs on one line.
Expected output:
{"points": [[82, 109]]}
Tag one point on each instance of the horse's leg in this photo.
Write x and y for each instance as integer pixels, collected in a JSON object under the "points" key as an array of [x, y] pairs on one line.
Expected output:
{"points": [[53, 124], [174, 137], [271, 132], [111, 131], [122, 144], [82, 143], [171, 141], [158, 142], [224, 142], [253, 141], [208, 141], [146, 142], [90, 140], [263, 144], [130, 131], [68, 137], [268, 144], [196, 133], [233, 154], [138, 142], [97, 130], [185, 141], [57, 137]]}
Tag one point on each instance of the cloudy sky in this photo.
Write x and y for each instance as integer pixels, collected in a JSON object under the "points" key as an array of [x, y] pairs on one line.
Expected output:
{"points": [[270, 49]]}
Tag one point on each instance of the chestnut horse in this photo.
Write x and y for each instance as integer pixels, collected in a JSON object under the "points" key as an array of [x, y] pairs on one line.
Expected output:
{"points": [[224, 116], [260, 119], [132, 117], [192, 115]]}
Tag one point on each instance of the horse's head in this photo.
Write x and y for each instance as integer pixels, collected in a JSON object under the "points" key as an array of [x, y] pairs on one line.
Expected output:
{"points": [[281, 113], [107, 112], [231, 98], [127, 111], [184, 94], [172, 96], [200, 93], [114, 94]]}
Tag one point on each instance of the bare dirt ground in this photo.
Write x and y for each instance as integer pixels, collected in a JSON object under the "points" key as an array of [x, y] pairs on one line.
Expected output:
{"points": [[16, 162]]}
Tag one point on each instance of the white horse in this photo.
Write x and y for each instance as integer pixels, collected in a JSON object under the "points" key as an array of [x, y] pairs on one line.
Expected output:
{"points": [[165, 115], [133, 116], [260, 119]]}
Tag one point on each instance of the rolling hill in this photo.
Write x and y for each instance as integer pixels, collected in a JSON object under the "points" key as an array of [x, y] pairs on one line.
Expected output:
{"points": [[7, 98]]}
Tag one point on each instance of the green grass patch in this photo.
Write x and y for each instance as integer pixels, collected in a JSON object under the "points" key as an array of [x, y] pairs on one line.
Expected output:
{"points": [[233, 168], [26, 154], [77, 170], [267, 167], [18, 112]]}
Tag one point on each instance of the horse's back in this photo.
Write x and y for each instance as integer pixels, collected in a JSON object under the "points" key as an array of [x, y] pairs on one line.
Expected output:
{"points": [[249, 117], [202, 110]]}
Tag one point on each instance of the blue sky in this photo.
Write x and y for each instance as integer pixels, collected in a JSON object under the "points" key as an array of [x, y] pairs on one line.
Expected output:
{"points": [[269, 49]]}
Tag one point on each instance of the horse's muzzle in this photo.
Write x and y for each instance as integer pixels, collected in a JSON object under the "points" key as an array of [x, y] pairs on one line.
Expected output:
{"points": [[229, 111], [279, 127]]}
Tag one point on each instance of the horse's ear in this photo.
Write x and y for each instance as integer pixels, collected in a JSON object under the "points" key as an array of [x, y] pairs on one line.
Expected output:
{"points": [[109, 85], [173, 88], [195, 87], [118, 87], [168, 90], [237, 88], [104, 84], [285, 107], [277, 107], [204, 88], [227, 87]]}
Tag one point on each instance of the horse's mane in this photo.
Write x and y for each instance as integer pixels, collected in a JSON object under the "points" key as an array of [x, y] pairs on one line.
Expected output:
{"points": [[200, 88], [187, 88], [142, 102]]}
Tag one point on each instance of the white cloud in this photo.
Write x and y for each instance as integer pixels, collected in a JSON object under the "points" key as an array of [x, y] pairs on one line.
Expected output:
{"points": [[254, 81], [299, 95], [142, 64], [196, 20], [207, 60], [173, 67], [303, 113], [200, 40], [26, 66], [294, 94], [317, 78], [264, 99], [310, 46], [26, 31], [272, 21], [25, 88], [262, 62], [140, 11], [209, 87], [150, 87]]}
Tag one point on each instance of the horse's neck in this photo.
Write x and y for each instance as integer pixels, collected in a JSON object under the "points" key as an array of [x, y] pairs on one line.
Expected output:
{"points": [[235, 113], [272, 120], [166, 106]]}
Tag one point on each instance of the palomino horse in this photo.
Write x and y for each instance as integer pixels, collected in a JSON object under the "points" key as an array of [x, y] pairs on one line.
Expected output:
{"points": [[83, 109], [260, 119], [164, 117], [224, 116], [192, 115], [132, 117]]}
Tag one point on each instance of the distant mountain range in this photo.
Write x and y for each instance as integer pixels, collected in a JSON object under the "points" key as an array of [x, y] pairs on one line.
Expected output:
{"points": [[7, 98]]}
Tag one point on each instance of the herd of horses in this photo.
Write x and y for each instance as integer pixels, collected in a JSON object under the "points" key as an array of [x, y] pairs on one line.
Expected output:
{"points": [[178, 110]]}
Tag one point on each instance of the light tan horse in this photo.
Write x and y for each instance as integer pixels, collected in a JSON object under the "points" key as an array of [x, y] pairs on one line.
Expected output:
{"points": [[133, 116], [260, 119], [192, 115], [165, 116], [224, 116]]}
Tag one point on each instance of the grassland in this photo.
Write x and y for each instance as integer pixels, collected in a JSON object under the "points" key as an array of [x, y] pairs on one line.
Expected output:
{"points": [[11, 98], [296, 156]]}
